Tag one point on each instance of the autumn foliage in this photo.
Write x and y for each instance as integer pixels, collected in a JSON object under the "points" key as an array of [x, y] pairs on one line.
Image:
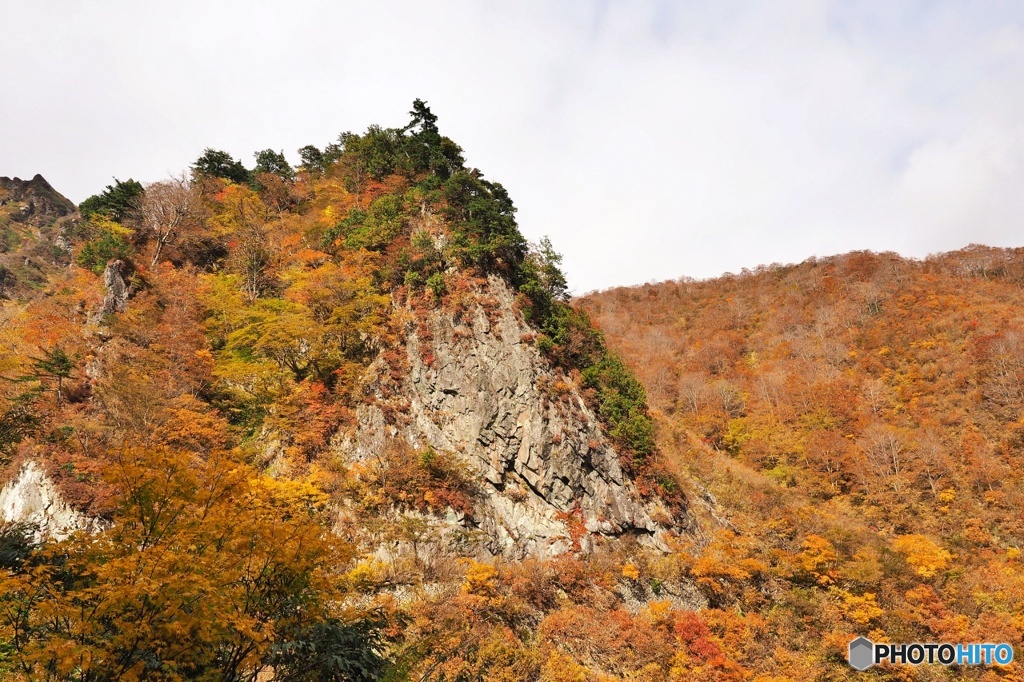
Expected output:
{"points": [[848, 433], [857, 419], [196, 421]]}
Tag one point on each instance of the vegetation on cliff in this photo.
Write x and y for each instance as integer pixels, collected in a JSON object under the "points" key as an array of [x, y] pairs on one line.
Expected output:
{"points": [[196, 422], [851, 427]]}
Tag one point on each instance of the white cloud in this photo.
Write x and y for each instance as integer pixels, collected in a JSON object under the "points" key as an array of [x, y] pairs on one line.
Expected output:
{"points": [[650, 139], [970, 187]]}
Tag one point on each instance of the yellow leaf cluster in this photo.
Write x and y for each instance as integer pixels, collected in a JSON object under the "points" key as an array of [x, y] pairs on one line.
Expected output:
{"points": [[818, 557], [861, 609], [923, 554], [480, 579]]}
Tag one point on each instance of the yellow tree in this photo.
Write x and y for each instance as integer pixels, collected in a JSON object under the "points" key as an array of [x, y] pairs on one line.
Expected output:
{"points": [[207, 572], [924, 555]]}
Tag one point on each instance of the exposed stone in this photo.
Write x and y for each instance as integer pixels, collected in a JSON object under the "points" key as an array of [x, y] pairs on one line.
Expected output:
{"points": [[33, 498], [682, 595], [116, 298], [40, 202], [479, 389]]}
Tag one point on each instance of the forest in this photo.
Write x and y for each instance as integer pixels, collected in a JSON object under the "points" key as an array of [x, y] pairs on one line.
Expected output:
{"points": [[182, 358], [858, 421]]}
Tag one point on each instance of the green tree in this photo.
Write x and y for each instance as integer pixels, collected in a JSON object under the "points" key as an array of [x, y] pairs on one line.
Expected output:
{"points": [[549, 266], [107, 246], [541, 280], [377, 153], [312, 159], [484, 230], [220, 164], [269, 161], [332, 651], [622, 404], [422, 117], [55, 365], [16, 545], [16, 423], [117, 202], [426, 147]]}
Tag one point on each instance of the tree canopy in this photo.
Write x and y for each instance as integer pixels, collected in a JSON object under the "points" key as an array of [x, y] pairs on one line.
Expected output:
{"points": [[116, 202]]}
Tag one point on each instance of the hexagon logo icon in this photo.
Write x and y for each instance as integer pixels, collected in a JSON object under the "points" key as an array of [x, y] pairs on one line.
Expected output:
{"points": [[862, 653]]}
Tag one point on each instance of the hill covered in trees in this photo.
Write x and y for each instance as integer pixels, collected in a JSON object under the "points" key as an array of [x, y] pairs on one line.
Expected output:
{"points": [[858, 420], [334, 421], [340, 421]]}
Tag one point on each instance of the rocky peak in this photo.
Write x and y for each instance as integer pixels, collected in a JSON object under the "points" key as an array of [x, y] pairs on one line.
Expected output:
{"points": [[478, 388], [38, 201]]}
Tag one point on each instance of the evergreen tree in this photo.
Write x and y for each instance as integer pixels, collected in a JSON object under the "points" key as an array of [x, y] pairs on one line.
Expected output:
{"points": [[116, 202], [220, 164], [269, 161]]}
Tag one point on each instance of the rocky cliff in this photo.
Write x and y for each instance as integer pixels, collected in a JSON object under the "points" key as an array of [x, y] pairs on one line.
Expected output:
{"points": [[468, 380], [477, 387], [32, 498], [34, 200], [34, 218]]}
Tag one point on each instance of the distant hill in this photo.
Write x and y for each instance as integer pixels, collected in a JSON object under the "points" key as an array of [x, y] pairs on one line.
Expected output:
{"points": [[860, 421], [33, 216]]}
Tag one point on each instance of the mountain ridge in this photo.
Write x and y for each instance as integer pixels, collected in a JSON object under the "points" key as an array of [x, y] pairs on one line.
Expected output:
{"points": [[857, 419], [40, 199]]}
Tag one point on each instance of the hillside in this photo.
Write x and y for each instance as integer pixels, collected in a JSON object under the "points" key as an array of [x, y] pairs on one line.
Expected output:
{"points": [[859, 421], [32, 218], [335, 421], [341, 421]]}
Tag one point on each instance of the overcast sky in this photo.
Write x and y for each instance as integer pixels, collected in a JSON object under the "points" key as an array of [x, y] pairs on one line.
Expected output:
{"points": [[650, 140]]}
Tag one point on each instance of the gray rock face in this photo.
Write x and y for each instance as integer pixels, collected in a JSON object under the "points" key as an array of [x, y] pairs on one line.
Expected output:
{"points": [[33, 498], [41, 202], [116, 298], [477, 387]]}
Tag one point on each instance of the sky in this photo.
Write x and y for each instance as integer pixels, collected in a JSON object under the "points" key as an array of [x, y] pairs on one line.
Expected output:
{"points": [[650, 140]]}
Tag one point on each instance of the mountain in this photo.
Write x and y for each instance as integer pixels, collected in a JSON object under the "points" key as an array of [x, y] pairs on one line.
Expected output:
{"points": [[858, 421], [33, 221], [330, 421], [33, 200], [478, 386], [341, 421]]}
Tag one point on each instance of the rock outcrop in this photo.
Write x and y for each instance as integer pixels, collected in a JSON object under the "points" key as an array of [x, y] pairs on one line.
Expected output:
{"points": [[479, 388], [33, 498], [116, 298], [35, 223], [39, 201]]}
